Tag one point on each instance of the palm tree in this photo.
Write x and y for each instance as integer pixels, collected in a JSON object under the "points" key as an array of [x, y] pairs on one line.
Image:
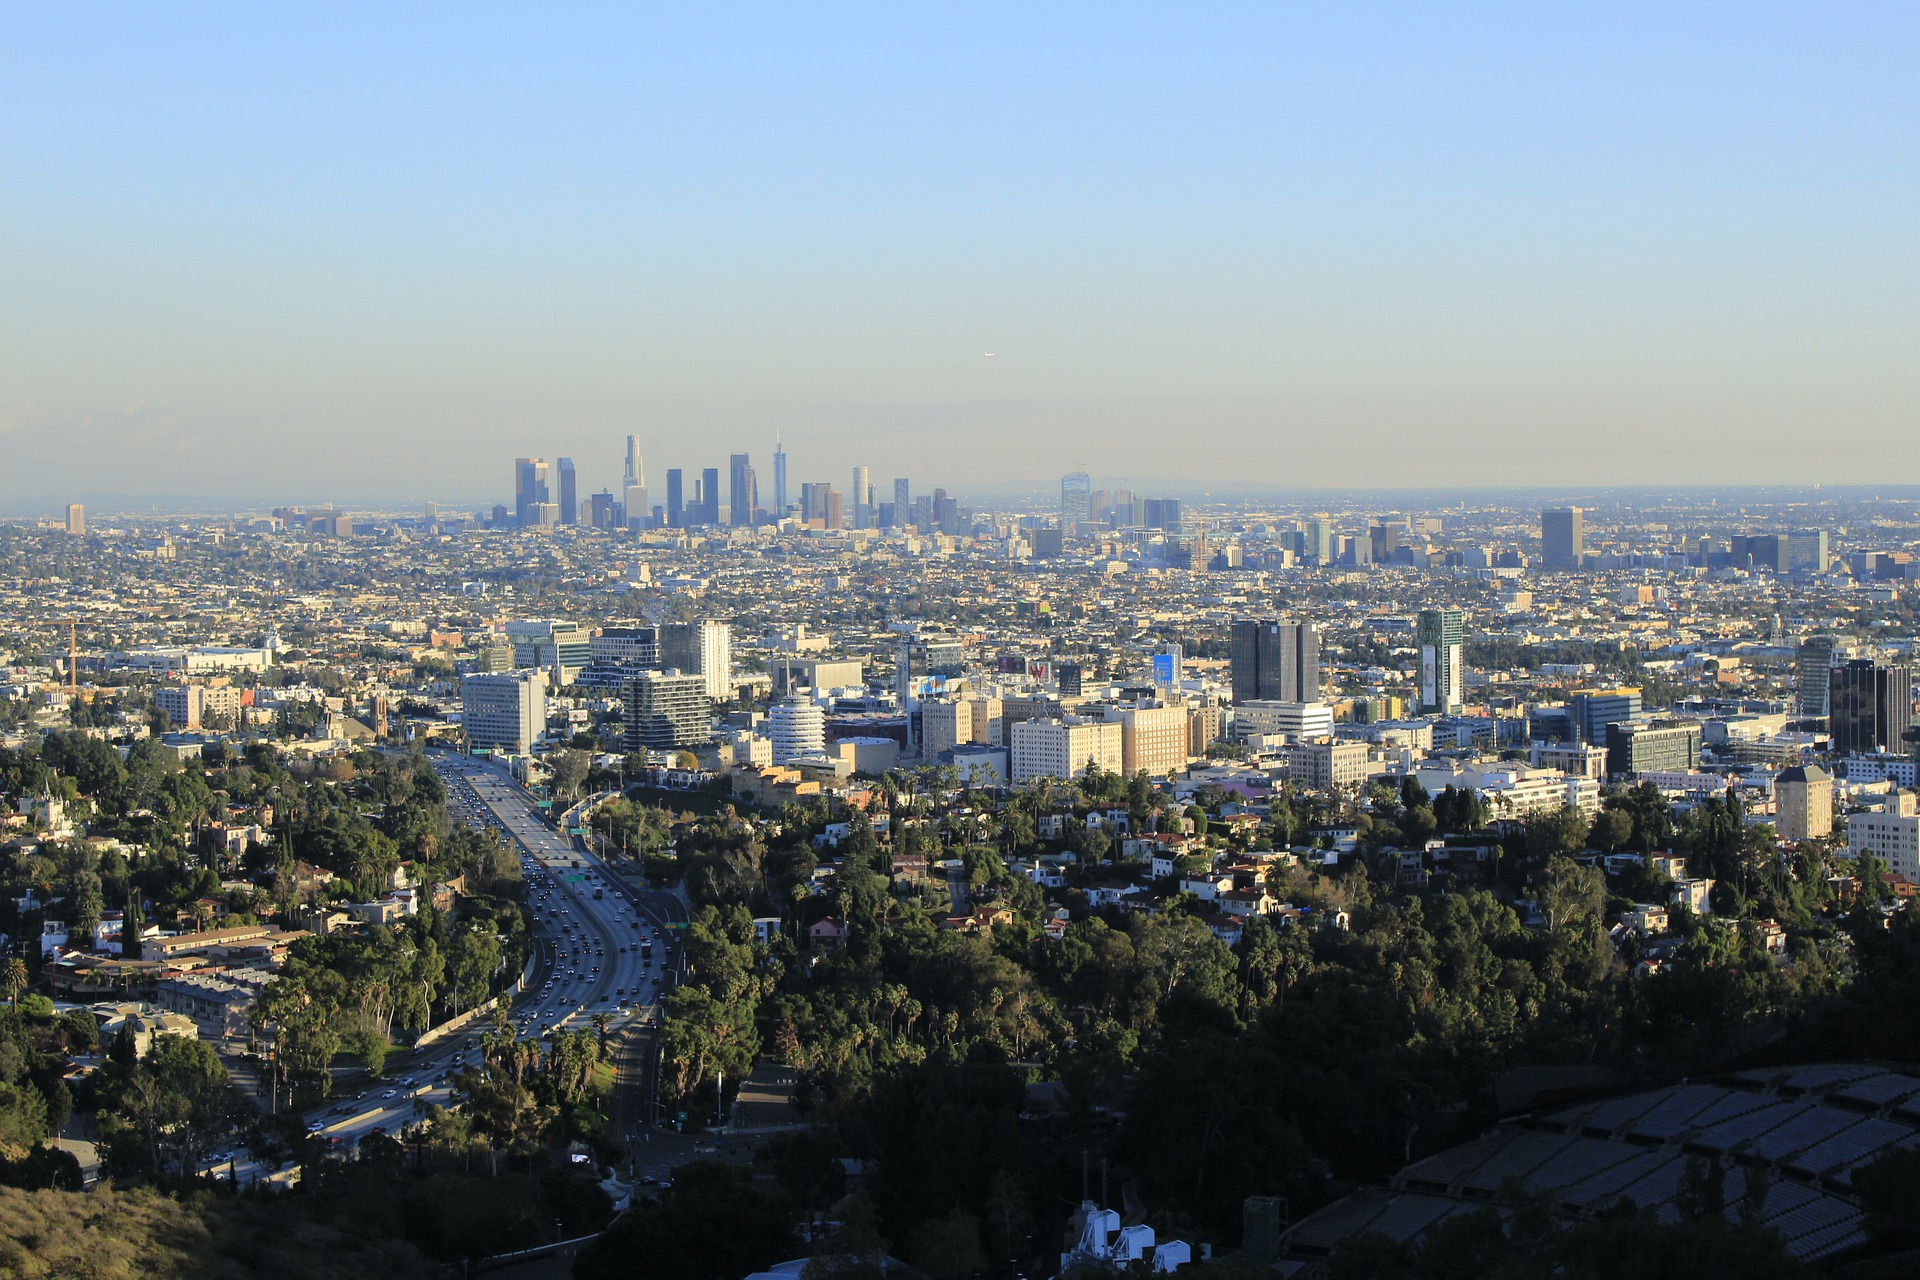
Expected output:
{"points": [[15, 978], [600, 1022]]}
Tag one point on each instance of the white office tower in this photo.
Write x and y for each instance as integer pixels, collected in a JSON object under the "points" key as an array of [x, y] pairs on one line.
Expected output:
{"points": [[702, 647], [861, 499], [505, 711], [798, 727], [633, 491]]}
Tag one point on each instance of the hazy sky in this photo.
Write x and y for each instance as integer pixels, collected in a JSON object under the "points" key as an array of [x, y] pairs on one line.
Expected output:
{"points": [[251, 251]]}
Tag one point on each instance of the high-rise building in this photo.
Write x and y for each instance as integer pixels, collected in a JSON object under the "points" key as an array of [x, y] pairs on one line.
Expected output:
{"points": [[1441, 635], [1651, 747], [1563, 538], [741, 498], [861, 498], [1590, 711], [1812, 668], [836, 515], [797, 726], [1076, 497], [430, 512], [505, 711], [600, 510], [1870, 705], [1275, 659], [1153, 738], [779, 480], [569, 496], [633, 488], [676, 498], [76, 519], [902, 499], [1807, 551], [702, 648], [532, 485], [665, 710], [1803, 801], [1317, 544], [1162, 513], [710, 496], [1064, 748]]}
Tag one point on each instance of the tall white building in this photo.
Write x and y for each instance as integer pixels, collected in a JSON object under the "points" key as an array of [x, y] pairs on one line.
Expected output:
{"points": [[703, 648], [1064, 748], [504, 711], [797, 726], [1893, 835], [861, 499], [1298, 720]]}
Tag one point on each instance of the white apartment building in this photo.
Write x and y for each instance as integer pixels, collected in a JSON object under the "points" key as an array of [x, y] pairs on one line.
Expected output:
{"points": [[705, 648], [1297, 720], [944, 726], [1892, 835], [504, 711], [1512, 790], [1063, 748]]}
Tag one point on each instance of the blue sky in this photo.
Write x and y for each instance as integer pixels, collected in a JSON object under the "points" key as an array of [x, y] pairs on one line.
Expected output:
{"points": [[353, 253]]}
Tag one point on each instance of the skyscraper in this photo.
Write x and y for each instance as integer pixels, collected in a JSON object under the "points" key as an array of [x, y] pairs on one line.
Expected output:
{"points": [[902, 499], [1871, 705], [531, 486], [1319, 542], [1812, 673], [634, 488], [1275, 659], [1563, 538], [1076, 497], [569, 497], [76, 519], [676, 498], [1441, 635], [710, 496], [741, 495], [861, 499], [779, 479]]}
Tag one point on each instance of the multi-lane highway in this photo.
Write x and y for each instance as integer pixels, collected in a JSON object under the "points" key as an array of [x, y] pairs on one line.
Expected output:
{"points": [[601, 947]]}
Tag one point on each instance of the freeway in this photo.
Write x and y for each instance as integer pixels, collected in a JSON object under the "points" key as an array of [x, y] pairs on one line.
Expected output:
{"points": [[601, 947]]}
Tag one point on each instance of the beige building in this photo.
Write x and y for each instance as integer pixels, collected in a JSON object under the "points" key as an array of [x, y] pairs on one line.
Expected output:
{"points": [[1151, 738], [188, 706], [1323, 766], [1803, 796]]}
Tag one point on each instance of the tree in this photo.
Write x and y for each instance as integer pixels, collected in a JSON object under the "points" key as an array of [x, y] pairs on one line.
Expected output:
{"points": [[132, 924], [14, 978]]}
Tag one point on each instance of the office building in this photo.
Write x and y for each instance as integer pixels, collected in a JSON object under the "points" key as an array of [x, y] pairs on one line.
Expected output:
{"points": [[1636, 749], [1064, 748], [552, 646], [504, 712], [741, 496], [1328, 765], [702, 648], [944, 726], [1812, 673], [1300, 721], [665, 710], [1870, 706], [1441, 637], [1803, 802], [1891, 835], [1807, 551], [1164, 514], [532, 486], [676, 498], [633, 488], [1563, 538], [569, 495], [902, 499], [797, 726], [861, 499], [710, 509], [1275, 659], [1590, 711], [1076, 498], [1069, 678], [631, 646], [1316, 545], [779, 480], [76, 519]]}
